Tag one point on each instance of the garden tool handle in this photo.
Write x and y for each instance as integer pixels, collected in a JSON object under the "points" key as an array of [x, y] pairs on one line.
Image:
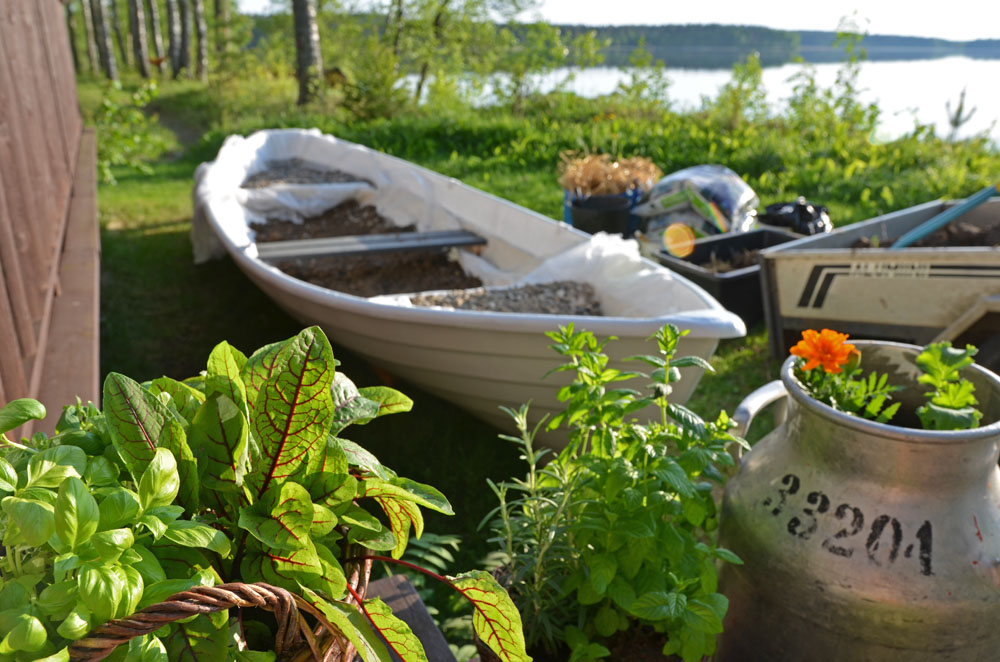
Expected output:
{"points": [[945, 217], [755, 402]]}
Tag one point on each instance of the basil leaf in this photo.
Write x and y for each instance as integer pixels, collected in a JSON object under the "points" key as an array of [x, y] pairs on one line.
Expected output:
{"points": [[101, 472], [8, 476], [35, 520], [111, 544], [28, 634], [76, 513], [100, 590], [120, 508], [76, 625], [54, 465], [18, 412], [193, 534], [160, 481]]}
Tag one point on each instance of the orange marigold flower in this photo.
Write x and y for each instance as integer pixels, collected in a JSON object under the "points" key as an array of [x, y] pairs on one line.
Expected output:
{"points": [[826, 348]]}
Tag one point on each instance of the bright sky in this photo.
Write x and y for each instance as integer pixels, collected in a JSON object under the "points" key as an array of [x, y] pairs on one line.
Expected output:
{"points": [[958, 20]]}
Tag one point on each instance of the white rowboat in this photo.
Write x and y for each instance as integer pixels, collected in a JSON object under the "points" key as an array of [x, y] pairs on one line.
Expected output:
{"points": [[477, 360]]}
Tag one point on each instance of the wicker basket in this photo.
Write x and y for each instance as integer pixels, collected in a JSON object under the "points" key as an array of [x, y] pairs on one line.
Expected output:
{"points": [[295, 640]]}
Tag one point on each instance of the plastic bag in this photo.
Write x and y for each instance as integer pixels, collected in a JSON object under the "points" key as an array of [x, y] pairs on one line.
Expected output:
{"points": [[730, 204]]}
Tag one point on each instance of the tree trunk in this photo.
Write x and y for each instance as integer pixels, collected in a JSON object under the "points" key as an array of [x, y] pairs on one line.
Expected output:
{"points": [[309, 61], [184, 60], [201, 39], [153, 8], [397, 17], [438, 34], [74, 51], [116, 25], [174, 37], [137, 23], [88, 30], [102, 32], [221, 25]]}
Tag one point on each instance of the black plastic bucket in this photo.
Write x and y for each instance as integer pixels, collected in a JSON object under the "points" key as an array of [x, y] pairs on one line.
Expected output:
{"points": [[601, 213]]}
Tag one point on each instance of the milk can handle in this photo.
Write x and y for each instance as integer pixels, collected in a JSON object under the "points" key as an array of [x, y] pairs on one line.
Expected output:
{"points": [[753, 403]]}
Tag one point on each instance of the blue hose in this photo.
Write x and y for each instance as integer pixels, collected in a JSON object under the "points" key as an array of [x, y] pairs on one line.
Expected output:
{"points": [[945, 217]]}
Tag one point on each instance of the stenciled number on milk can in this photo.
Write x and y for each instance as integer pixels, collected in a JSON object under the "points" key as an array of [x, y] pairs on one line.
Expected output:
{"points": [[884, 531]]}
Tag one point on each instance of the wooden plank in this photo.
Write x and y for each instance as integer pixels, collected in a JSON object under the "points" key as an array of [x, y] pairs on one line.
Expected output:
{"points": [[10, 264], [50, 176], [55, 44], [11, 367], [18, 181], [71, 366], [402, 598], [366, 243]]}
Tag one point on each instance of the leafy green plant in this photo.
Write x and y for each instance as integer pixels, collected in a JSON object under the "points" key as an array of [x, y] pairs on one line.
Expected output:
{"points": [[124, 130], [950, 405], [236, 475], [616, 528]]}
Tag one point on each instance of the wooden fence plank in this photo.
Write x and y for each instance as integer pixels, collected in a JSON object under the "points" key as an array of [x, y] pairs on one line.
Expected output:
{"points": [[30, 146], [11, 368], [53, 40], [21, 205], [10, 264]]}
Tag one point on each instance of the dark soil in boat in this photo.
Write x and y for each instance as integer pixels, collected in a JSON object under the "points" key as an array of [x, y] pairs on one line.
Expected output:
{"points": [[298, 171], [953, 234], [558, 298], [346, 219], [382, 273]]}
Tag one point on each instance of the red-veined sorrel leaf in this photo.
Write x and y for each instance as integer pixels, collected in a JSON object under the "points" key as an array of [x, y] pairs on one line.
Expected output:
{"points": [[284, 568], [225, 364], [353, 625], [390, 400], [396, 632], [260, 367], [401, 513], [323, 521], [139, 424], [292, 414], [351, 407], [186, 400], [281, 518], [333, 573], [409, 490], [219, 437], [496, 619], [359, 457]]}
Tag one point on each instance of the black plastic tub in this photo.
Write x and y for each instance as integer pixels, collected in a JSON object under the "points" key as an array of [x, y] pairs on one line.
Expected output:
{"points": [[601, 213], [738, 290]]}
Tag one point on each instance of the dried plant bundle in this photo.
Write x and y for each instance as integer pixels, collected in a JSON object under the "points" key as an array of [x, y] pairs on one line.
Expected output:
{"points": [[599, 174]]}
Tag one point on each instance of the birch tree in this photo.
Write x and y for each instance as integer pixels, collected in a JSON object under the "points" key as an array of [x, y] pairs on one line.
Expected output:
{"points": [[221, 25], [102, 33], [201, 39], [184, 59], [309, 62], [174, 36], [88, 31], [116, 26], [137, 24], [153, 9]]}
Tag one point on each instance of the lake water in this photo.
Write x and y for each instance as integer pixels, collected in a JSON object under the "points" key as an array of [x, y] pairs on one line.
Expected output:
{"points": [[905, 91]]}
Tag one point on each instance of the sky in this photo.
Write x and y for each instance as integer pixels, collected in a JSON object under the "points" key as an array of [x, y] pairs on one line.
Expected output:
{"points": [[962, 21]]}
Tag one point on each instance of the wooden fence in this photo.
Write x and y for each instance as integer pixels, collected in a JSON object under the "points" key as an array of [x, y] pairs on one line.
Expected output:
{"points": [[47, 213]]}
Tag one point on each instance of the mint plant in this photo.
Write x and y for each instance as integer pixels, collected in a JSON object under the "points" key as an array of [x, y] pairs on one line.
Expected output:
{"points": [[237, 475], [628, 508]]}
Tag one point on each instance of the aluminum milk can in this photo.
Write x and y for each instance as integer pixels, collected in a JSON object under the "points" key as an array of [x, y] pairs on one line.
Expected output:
{"points": [[863, 541]]}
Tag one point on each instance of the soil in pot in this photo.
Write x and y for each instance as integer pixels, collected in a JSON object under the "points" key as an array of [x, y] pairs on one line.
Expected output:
{"points": [[737, 259], [298, 171], [956, 233], [556, 298]]}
